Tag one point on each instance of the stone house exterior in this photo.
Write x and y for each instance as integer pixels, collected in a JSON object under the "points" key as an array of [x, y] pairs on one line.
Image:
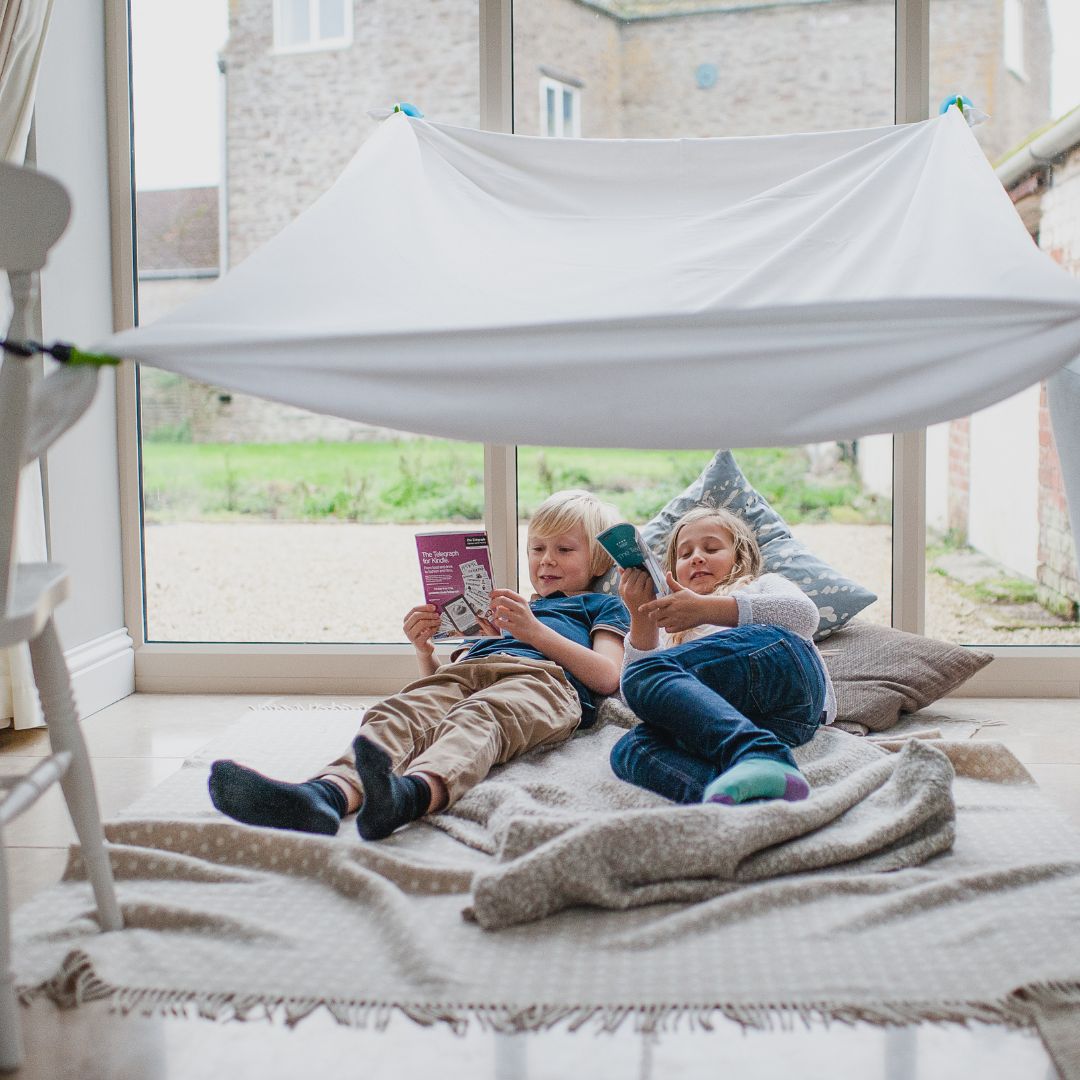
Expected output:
{"points": [[178, 256]]}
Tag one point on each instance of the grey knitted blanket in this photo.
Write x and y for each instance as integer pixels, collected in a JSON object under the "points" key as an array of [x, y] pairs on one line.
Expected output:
{"points": [[588, 901], [563, 831]]}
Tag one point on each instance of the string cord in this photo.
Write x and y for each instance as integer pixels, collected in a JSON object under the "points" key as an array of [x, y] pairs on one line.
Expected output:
{"points": [[61, 351]]}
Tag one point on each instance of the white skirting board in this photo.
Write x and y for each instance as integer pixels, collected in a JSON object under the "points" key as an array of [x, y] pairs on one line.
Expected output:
{"points": [[194, 668], [102, 670]]}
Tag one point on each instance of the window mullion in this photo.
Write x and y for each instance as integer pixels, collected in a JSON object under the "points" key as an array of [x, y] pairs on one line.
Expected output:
{"points": [[912, 103], [500, 512], [496, 66], [497, 114], [909, 531]]}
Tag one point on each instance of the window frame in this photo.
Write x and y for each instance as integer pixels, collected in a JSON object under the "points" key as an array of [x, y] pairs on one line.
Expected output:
{"points": [[1033, 671], [1012, 37], [561, 90], [315, 43]]}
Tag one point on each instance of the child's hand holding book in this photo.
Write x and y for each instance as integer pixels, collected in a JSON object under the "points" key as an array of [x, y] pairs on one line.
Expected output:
{"points": [[635, 588], [420, 625], [625, 544]]}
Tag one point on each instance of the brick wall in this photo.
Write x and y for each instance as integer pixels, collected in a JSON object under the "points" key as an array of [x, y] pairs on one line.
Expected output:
{"points": [[174, 409], [1058, 581], [565, 39], [1059, 236], [806, 67], [1059, 223], [959, 486], [296, 119]]}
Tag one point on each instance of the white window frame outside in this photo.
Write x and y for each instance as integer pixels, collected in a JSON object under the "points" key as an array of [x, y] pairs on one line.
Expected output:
{"points": [[314, 43], [1012, 33], [561, 90], [1018, 671]]}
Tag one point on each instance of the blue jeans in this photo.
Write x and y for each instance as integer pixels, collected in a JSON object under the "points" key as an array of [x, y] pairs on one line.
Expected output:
{"points": [[751, 691]]}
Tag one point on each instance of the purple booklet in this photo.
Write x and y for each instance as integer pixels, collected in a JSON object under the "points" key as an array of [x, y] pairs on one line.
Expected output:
{"points": [[455, 568]]}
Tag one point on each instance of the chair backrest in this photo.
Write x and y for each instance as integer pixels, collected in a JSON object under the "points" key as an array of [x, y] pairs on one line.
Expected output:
{"points": [[36, 212]]}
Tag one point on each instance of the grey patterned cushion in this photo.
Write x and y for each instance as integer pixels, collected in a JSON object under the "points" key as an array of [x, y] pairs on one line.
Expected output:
{"points": [[722, 484], [606, 583], [879, 673]]}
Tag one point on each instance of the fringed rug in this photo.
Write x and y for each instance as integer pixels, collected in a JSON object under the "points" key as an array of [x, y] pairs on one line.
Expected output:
{"points": [[235, 922]]}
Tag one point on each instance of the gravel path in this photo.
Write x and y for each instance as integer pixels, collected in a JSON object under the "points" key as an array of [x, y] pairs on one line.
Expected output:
{"points": [[347, 583]]}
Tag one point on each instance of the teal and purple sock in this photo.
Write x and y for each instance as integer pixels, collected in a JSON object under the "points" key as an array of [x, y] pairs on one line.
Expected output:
{"points": [[757, 778]]}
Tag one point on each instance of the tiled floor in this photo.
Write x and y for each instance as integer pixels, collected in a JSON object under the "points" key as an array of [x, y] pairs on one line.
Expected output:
{"points": [[141, 740]]}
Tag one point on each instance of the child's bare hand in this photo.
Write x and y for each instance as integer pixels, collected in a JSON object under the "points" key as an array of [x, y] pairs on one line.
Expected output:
{"points": [[420, 625], [635, 588], [511, 612], [682, 610]]}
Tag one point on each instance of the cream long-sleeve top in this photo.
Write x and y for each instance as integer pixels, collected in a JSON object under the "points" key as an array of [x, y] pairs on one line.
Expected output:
{"points": [[768, 600]]}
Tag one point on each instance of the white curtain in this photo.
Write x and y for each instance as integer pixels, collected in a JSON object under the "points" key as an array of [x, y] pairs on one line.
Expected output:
{"points": [[23, 24]]}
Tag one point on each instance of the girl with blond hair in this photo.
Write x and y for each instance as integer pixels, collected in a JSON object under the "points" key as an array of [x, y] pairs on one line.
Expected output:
{"points": [[723, 673]]}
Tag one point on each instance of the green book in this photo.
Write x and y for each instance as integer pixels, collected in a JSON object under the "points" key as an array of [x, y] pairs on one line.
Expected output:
{"points": [[624, 543]]}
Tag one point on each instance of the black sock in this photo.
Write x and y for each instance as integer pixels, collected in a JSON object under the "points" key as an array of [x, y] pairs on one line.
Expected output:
{"points": [[390, 801], [316, 806]]}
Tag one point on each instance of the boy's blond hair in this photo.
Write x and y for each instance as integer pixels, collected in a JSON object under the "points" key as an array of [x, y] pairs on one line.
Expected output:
{"points": [[748, 563], [568, 510]]}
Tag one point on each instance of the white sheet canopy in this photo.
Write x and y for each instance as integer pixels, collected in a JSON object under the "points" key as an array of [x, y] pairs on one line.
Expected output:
{"points": [[657, 293]]}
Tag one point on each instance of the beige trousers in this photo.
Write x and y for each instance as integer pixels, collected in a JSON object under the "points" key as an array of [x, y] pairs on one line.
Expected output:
{"points": [[467, 717]]}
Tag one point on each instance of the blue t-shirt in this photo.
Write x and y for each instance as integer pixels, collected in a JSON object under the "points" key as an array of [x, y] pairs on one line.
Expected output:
{"points": [[574, 617]]}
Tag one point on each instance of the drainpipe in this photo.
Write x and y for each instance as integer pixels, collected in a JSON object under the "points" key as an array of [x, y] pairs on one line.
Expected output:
{"points": [[223, 168], [1041, 151]]}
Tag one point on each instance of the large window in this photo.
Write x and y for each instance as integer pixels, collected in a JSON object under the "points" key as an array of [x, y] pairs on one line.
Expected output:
{"points": [[266, 524], [262, 522], [699, 73], [1001, 563]]}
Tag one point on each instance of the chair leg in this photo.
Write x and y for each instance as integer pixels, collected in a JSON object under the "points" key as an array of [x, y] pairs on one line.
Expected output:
{"points": [[11, 1049], [58, 707]]}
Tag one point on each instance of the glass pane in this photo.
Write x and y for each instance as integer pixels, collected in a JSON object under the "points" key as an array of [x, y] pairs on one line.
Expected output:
{"points": [[835, 500], [291, 541], [331, 19], [1014, 36], [1001, 565], [568, 111], [703, 70], [700, 71], [262, 522], [295, 22], [549, 111]]}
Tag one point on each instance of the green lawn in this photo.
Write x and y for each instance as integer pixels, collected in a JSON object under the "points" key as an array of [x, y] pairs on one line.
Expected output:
{"points": [[421, 480]]}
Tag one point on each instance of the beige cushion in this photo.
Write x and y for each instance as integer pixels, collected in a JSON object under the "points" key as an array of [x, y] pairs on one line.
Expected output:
{"points": [[879, 673]]}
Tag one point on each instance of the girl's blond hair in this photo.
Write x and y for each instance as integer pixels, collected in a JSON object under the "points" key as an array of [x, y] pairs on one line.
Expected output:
{"points": [[567, 510], [748, 564]]}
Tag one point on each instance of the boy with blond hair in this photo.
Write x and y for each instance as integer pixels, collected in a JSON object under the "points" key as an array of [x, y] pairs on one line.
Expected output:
{"points": [[530, 684]]}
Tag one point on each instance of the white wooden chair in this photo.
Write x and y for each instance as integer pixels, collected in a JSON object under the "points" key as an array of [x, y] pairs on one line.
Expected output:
{"points": [[32, 414]]}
